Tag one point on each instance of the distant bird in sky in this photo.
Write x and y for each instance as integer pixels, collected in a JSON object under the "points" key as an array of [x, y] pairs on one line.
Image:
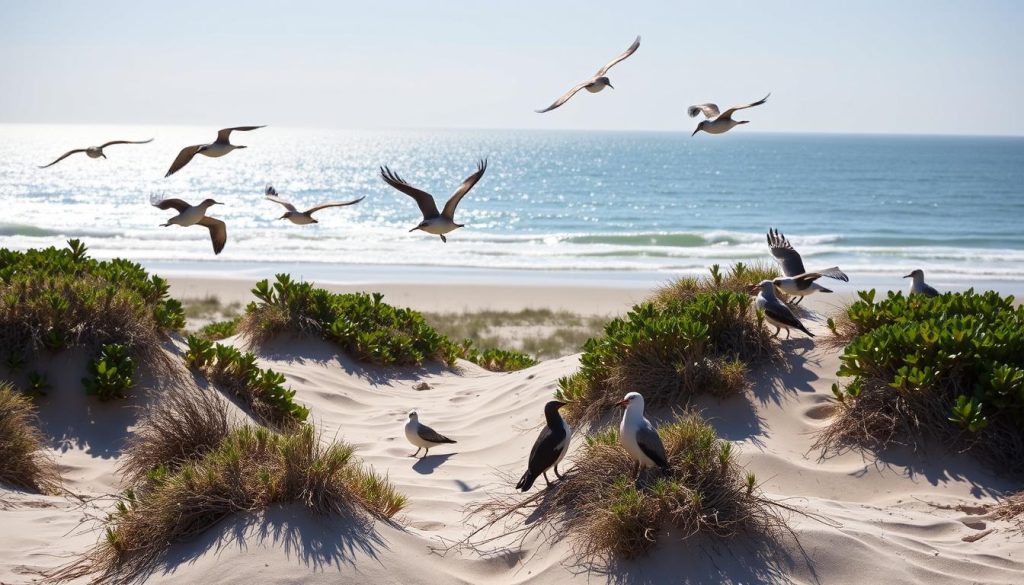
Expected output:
{"points": [[719, 123], [421, 436], [549, 448], [596, 83], [796, 281], [196, 214], [776, 312], [304, 217], [215, 149], [638, 435], [918, 286], [95, 151], [433, 222]]}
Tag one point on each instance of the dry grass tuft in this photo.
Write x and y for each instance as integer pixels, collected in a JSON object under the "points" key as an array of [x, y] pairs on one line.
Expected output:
{"points": [[23, 461], [1011, 509], [738, 279]]}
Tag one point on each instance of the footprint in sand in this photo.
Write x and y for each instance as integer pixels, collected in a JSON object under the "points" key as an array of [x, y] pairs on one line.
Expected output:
{"points": [[820, 412], [427, 525]]}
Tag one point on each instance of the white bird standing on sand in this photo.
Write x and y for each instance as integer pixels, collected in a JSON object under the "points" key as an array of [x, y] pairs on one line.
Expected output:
{"points": [[596, 83], [196, 214], [215, 149], [918, 285], [95, 151], [433, 222], [637, 435], [797, 281], [421, 436], [719, 123], [548, 449], [775, 311], [304, 217]]}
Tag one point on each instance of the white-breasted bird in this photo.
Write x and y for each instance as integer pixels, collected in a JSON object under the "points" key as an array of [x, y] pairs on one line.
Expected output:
{"points": [[196, 214], [434, 222], [638, 436], [796, 281], [96, 151], [719, 123], [775, 311], [549, 448], [918, 286], [304, 217], [596, 83], [421, 436], [215, 149]]}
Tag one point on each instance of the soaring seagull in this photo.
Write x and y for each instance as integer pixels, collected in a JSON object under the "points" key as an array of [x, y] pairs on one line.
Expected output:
{"points": [[304, 217], [434, 222], [719, 123], [775, 311], [421, 436], [196, 214], [797, 281], [95, 151], [596, 83], [638, 436], [548, 449], [215, 149], [918, 286]]}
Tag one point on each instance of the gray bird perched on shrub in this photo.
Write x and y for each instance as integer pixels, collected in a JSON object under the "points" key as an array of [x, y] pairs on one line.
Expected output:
{"points": [[776, 312], [918, 286], [549, 448], [638, 436]]}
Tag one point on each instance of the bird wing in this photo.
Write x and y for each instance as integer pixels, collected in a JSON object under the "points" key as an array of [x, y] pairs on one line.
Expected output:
{"points": [[781, 313], [176, 204], [807, 277], [112, 142], [709, 110], [788, 258], [333, 204], [928, 290], [218, 232], [423, 199], [632, 49], [183, 158], [224, 134], [271, 193], [453, 201], [835, 273], [64, 156], [546, 450], [565, 97], [733, 109], [650, 443], [428, 434]]}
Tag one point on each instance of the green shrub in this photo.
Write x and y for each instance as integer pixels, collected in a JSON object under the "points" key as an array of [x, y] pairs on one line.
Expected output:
{"points": [[38, 384], [738, 279], [496, 360], [24, 462], [110, 372], [238, 373], [949, 368], [219, 329]]}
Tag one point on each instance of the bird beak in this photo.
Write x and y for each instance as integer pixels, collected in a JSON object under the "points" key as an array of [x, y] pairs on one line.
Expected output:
{"points": [[217, 203], [623, 403], [908, 276], [283, 217], [611, 86], [103, 155], [695, 132], [414, 229], [241, 146]]}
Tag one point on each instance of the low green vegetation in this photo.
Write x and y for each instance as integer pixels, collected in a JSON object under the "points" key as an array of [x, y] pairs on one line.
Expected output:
{"points": [[110, 372], [24, 462], [251, 469], [739, 278], [231, 370], [947, 368], [219, 330], [361, 324], [695, 337], [610, 514]]}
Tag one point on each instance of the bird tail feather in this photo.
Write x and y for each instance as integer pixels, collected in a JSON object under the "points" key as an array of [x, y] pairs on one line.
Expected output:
{"points": [[526, 482]]}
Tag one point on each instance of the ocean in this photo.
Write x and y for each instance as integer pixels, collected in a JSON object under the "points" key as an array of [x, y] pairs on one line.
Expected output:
{"points": [[598, 203]]}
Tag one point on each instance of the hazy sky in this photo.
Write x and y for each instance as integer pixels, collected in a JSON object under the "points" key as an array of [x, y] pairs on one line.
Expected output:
{"points": [[949, 67]]}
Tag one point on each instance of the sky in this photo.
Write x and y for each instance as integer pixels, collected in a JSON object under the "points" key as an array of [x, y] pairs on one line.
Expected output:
{"points": [[917, 67]]}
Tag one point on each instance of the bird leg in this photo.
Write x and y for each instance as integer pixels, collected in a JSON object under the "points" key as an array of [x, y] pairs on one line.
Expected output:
{"points": [[787, 333], [558, 475], [546, 478], [426, 451], [777, 331], [444, 239], [417, 452], [636, 471], [798, 299]]}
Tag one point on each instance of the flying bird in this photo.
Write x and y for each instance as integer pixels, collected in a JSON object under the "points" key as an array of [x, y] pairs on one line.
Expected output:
{"points": [[548, 449], [196, 214], [304, 217], [776, 312], [796, 281], [95, 151], [421, 436], [596, 83], [434, 222], [719, 123], [638, 436], [918, 286], [215, 149]]}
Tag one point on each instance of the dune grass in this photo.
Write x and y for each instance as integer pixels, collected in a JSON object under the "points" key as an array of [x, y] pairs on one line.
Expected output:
{"points": [[947, 369], [1011, 509], [24, 463], [609, 515], [541, 333], [739, 278], [251, 469], [696, 336]]}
